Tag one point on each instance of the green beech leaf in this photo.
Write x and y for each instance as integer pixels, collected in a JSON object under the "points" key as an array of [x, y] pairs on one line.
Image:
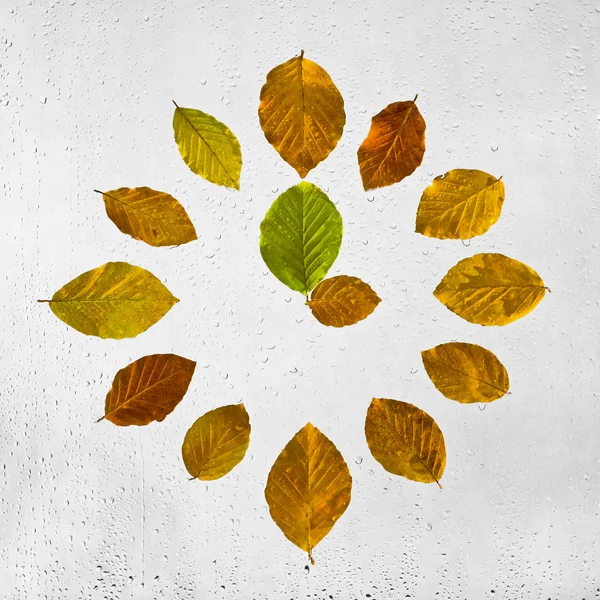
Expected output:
{"points": [[208, 147], [116, 300], [300, 236]]}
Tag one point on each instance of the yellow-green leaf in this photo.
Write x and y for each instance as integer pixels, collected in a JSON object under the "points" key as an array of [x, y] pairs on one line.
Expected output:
{"points": [[342, 300], [300, 236], [301, 113], [216, 442], [208, 147], [490, 289], [466, 372], [148, 389], [394, 147], [116, 300], [153, 217], [405, 440], [460, 204], [308, 488]]}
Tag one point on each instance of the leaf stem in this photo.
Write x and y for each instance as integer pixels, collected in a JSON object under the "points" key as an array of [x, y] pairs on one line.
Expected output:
{"points": [[175, 103], [310, 557], [301, 53], [44, 300], [416, 96], [99, 192], [100, 419]]}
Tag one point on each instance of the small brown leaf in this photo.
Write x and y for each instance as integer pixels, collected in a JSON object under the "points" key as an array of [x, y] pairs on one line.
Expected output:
{"points": [[308, 488], [342, 300], [216, 442], [153, 217], [148, 389], [394, 147], [405, 440], [466, 372]]}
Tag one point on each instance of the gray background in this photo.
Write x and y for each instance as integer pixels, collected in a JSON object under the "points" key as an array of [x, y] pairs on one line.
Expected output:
{"points": [[94, 511]]}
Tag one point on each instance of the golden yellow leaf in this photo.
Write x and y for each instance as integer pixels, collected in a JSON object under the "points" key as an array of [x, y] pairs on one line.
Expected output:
{"points": [[394, 147], [490, 289], [301, 113], [342, 300], [405, 440], [208, 147], [116, 300], [466, 372], [145, 214], [216, 442], [148, 389], [308, 488], [460, 204]]}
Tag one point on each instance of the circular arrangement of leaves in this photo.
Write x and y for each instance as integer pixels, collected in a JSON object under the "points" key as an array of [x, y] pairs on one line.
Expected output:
{"points": [[302, 115]]}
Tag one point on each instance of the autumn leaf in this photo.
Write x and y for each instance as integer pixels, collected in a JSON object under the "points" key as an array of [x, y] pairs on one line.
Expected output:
{"points": [[153, 217], [148, 389], [216, 442], [208, 147], [301, 113], [405, 440], [342, 300], [490, 289], [466, 372], [394, 147], [308, 488], [116, 300], [301, 236], [460, 204]]}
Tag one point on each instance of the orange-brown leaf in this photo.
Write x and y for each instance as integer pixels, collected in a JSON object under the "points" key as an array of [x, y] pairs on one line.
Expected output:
{"points": [[466, 372], [148, 389], [342, 300], [301, 113], [405, 440], [153, 217], [308, 488], [394, 147]]}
